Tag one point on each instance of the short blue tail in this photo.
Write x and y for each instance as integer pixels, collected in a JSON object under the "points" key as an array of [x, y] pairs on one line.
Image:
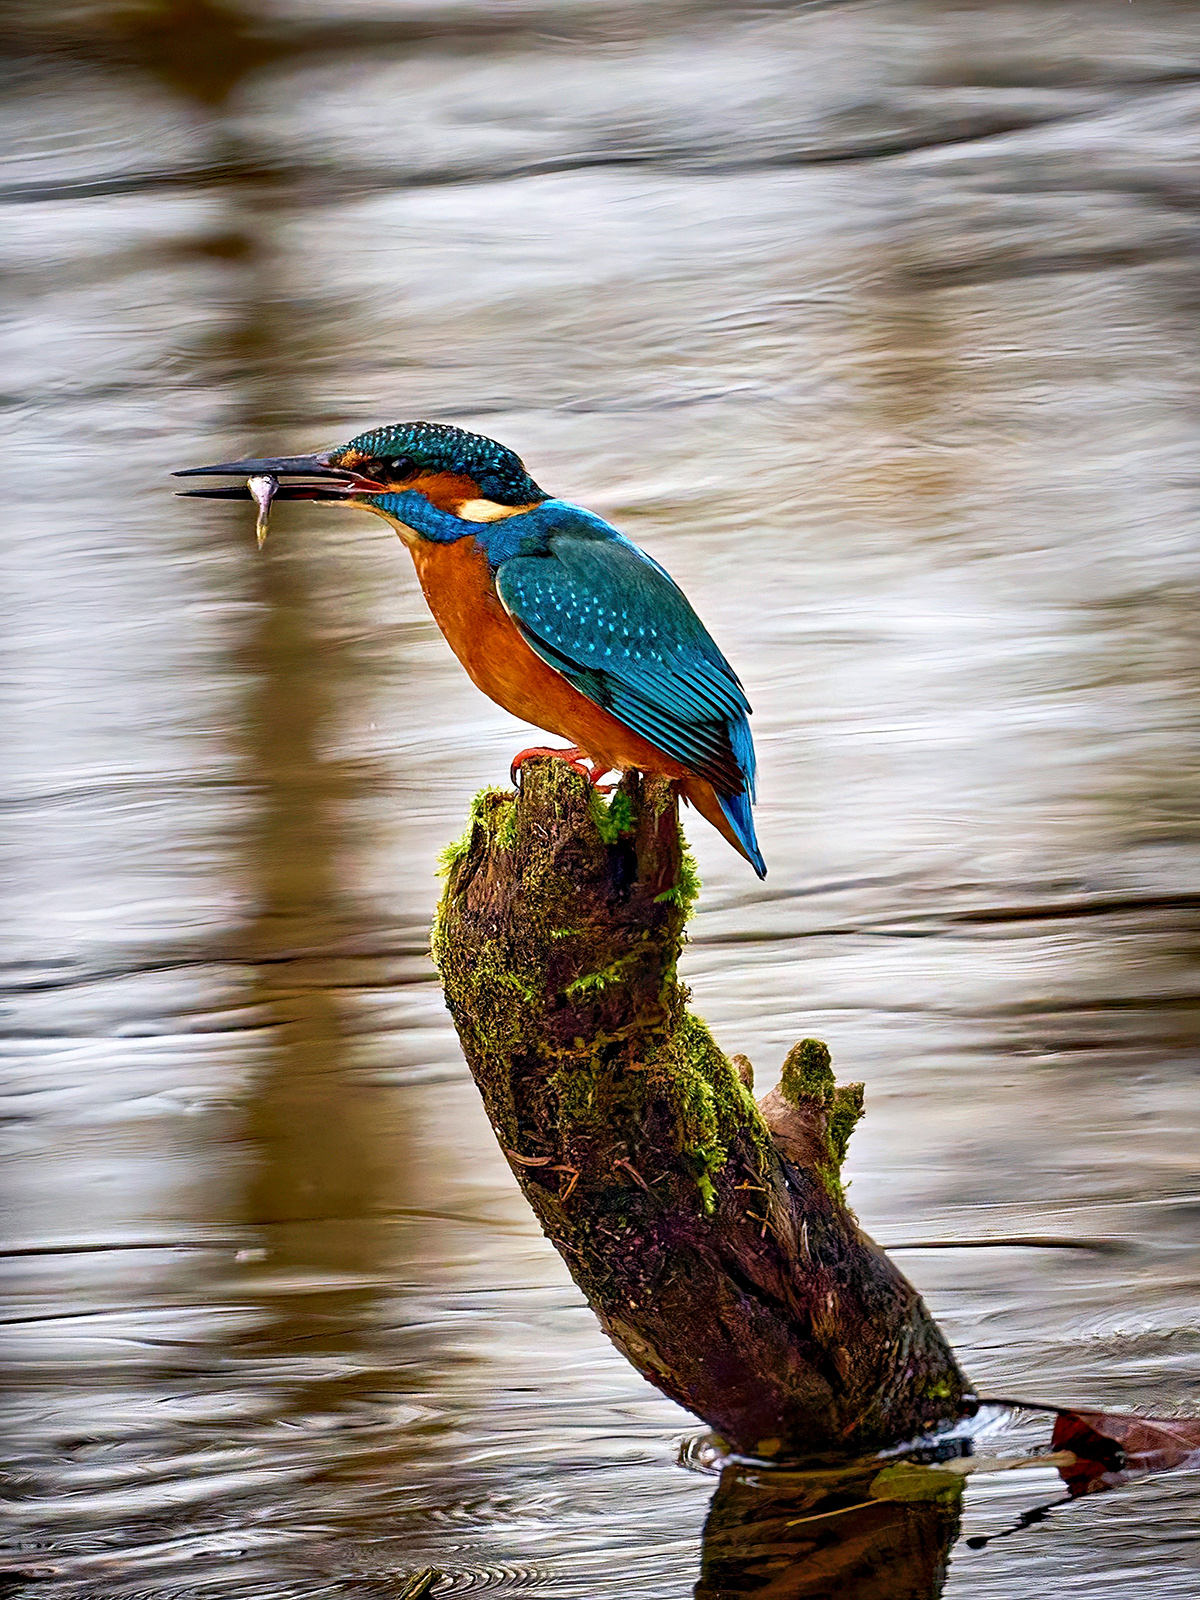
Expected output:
{"points": [[737, 808]]}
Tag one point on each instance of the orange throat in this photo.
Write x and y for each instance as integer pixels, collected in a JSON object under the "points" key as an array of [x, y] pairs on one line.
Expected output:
{"points": [[458, 584]]}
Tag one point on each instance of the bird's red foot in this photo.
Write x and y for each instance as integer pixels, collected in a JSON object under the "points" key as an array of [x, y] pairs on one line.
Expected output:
{"points": [[572, 755]]}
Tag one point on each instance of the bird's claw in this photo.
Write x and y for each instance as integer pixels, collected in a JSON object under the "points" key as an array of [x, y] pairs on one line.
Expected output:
{"points": [[572, 755]]}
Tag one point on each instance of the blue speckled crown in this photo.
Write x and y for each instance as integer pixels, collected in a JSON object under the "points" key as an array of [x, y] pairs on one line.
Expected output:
{"points": [[437, 447]]}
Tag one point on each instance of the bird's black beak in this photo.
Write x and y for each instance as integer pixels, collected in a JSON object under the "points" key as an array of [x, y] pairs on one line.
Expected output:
{"points": [[340, 481], [264, 485]]}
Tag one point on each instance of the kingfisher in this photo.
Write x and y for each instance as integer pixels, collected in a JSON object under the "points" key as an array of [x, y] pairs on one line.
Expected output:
{"points": [[555, 615]]}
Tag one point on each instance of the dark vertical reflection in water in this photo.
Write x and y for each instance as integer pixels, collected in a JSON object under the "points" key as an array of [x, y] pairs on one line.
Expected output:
{"points": [[325, 1161], [326, 1153]]}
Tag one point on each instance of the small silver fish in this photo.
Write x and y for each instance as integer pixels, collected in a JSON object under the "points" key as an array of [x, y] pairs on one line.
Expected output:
{"points": [[262, 489]]}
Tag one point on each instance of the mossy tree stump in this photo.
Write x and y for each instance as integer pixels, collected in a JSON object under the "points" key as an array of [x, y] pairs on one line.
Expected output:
{"points": [[708, 1233]]}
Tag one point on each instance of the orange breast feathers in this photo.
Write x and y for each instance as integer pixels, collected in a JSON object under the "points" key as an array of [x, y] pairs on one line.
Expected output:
{"points": [[458, 585]]}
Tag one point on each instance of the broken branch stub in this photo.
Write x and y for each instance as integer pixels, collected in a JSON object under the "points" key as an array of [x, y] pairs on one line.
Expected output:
{"points": [[708, 1233]]}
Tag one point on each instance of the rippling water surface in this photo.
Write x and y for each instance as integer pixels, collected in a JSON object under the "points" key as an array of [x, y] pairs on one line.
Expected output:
{"points": [[875, 323]]}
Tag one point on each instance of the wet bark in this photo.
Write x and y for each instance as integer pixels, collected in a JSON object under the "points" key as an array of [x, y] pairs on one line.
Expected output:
{"points": [[708, 1233]]}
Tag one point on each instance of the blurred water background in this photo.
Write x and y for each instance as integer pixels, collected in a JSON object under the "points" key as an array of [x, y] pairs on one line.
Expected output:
{"points": [[876, 323]]}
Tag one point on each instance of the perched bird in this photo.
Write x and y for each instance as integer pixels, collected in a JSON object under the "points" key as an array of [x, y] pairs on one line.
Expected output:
{"points": [[554, 614]]}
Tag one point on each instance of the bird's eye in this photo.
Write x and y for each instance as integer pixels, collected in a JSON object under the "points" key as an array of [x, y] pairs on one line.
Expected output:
{"points": [[402, 466]]}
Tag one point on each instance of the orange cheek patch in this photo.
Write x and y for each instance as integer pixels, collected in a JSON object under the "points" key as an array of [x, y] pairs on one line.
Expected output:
{"points": [[454, 492], [445, 490]]}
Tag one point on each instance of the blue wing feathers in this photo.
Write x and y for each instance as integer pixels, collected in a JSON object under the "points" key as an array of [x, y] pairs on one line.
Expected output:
{"points": [[618, 628]]}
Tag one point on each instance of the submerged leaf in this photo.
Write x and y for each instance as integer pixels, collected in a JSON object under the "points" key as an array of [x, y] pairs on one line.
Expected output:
{"points": [[906, 1481], [1110, 1448]]}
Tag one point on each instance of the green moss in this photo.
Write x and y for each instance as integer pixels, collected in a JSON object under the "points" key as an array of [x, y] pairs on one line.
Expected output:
{"points": [[708, 1195], [702, 1125], [494, 812], [831, 1180], [613, 820], [597, 982], [529, 992], [493, 809], [575, 1086], [451, 854], [685, 891], [712, 1104], [504, 990], [687, 1074], [808, 1077], [504, 824], [844, 1115], [808, 1073]]}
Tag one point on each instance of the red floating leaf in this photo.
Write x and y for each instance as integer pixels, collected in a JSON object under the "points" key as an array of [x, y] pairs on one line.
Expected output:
{"points": [[1110, 1448]]}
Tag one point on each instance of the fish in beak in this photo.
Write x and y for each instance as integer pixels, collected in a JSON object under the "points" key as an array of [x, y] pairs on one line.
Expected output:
{"points": [[263, 487], [263, 483]]}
